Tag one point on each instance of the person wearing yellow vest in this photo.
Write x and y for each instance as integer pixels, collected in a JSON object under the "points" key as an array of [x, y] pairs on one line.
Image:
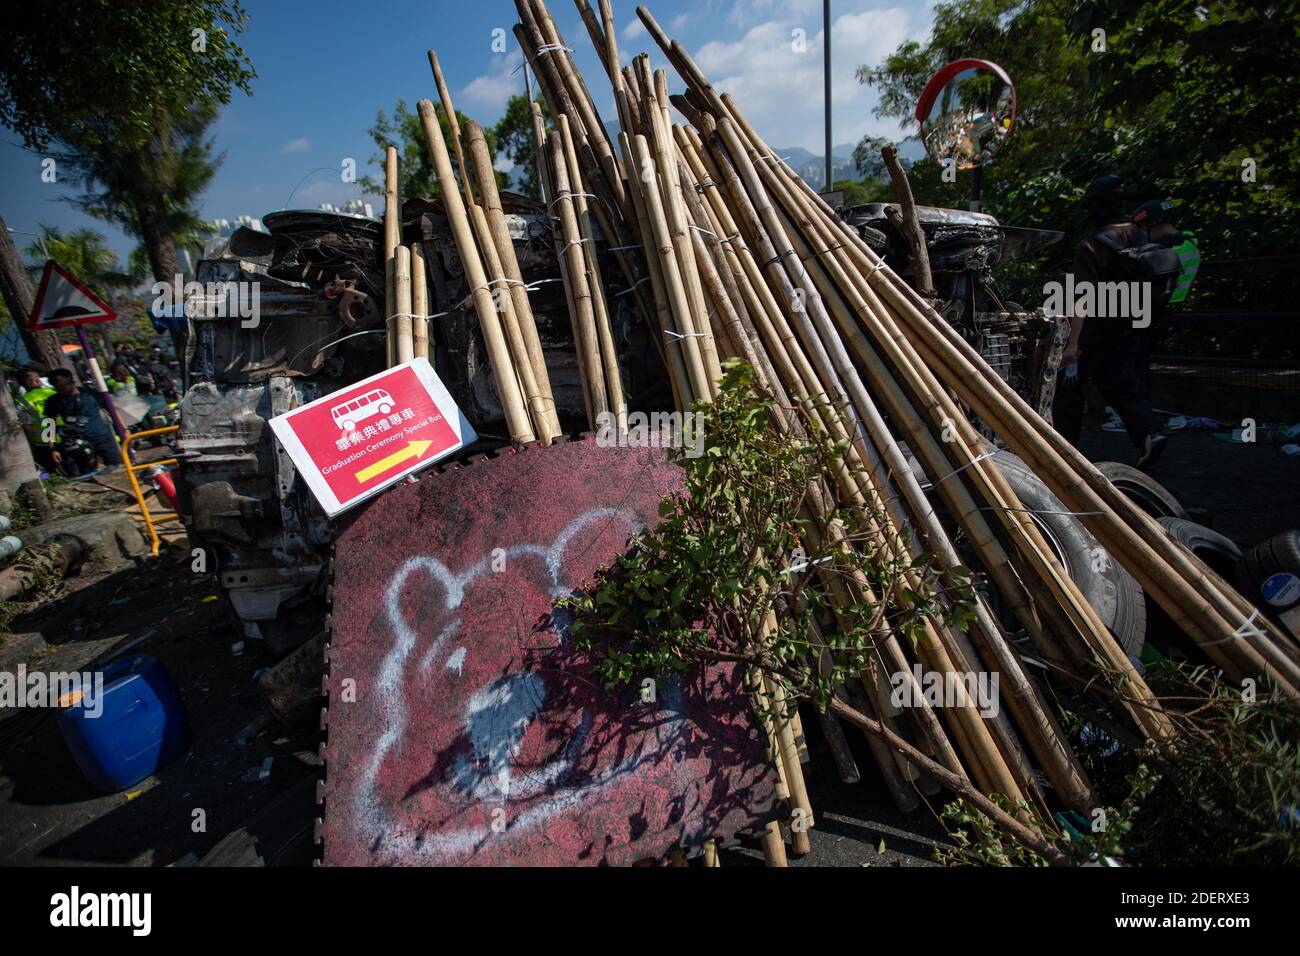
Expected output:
{"points": [[121, 381], [31, 410]]}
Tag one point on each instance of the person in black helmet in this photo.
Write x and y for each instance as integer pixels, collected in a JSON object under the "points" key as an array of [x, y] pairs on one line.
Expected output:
{"points": [[1106, 350]]}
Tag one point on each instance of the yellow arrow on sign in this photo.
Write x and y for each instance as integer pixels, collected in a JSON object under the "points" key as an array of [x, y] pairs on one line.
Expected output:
{"points": [[413, 449]]}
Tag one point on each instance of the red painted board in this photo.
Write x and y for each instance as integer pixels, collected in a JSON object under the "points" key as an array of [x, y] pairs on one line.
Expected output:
{"points": [[463, 729]]}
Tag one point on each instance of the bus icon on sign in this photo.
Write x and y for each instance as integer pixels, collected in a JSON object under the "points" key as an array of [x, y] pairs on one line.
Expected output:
{"points": [[347, 414]]}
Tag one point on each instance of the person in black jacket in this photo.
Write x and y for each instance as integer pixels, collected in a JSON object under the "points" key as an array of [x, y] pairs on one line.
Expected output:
{"points": [[81, 410], [1106, 349]]}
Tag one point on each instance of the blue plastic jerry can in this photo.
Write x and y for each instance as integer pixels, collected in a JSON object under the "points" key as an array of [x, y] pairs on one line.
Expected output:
{"points": [[126, 727]]}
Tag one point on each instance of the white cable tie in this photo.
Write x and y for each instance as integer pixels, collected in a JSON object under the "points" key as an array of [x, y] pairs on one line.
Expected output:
{"points": [[409, 315], [576, 242], [706, 232], [625, 248], [805, 565], [635, 286], [1039, 511], [678, 336], [977, 459], [730, 238], [552, 47], [330, 345], [1246, 629], [569, 196]]}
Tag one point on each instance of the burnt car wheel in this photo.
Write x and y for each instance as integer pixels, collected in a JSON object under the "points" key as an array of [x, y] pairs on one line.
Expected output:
{"points": [[1106, 585]]}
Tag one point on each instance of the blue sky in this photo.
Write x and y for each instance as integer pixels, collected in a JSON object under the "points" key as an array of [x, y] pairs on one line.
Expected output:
{"points": [[325, 67]]}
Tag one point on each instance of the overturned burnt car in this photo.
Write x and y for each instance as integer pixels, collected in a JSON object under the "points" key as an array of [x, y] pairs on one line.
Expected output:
{"points": [[318, 285], [1023, 345]]}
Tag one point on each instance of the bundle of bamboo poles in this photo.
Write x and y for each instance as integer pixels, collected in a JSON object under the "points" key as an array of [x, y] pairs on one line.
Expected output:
{"points": [[497, 290], [730, 253]]}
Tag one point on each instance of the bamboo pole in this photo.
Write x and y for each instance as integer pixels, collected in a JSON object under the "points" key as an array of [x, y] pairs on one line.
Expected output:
{"points": [[546, 419], [608, 352], [541, 29], [695, 320], [673, 359], [539, 407], [402, 291], [453, 124], [570, 255], [484, 306], [392, 237], [420, 303], [683, 336]]}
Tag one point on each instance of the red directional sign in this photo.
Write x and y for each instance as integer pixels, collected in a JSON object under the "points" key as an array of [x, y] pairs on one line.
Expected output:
{"points": [[354, 443], [62, 301]]}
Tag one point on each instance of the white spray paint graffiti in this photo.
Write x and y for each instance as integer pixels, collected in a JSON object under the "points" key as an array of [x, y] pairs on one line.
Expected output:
{"points": [[496, 718]]}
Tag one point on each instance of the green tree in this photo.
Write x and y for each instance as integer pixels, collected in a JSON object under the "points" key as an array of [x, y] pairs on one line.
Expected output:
{"points": [[1196, 93], [83, 253], [1178, 97], [1055, 150], [187, 166], [404, 132], [871, 190], [514, 134], [867, 160], [114, 89]]}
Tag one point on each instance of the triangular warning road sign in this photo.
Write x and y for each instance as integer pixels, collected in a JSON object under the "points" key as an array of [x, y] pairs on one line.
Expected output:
{"points": [[63, 301]]}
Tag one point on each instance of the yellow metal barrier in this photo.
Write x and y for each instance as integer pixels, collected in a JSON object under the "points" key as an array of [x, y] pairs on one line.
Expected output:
{"points": [[149, 518]]}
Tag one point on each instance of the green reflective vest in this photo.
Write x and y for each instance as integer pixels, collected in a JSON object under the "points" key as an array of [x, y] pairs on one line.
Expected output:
{"points": [[1189, 260], [33, 402]]}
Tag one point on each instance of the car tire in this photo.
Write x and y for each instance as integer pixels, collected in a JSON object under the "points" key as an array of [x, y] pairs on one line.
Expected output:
{"points": [[1219, 552], [1113, 593], [1269, 573], [1147, 493]]}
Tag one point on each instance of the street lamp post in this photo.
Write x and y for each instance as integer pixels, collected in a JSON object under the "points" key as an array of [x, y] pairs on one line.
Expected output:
{"points": [[826, 48]]}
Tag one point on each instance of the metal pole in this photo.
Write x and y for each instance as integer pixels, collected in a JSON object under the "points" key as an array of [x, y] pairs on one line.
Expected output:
{"points": [[826, 46]]}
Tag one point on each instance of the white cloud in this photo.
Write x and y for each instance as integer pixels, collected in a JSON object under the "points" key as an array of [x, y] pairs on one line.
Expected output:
{"points": [[778, 83], [485, 97], [679, 22], [300, 145], [634, 29]]}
